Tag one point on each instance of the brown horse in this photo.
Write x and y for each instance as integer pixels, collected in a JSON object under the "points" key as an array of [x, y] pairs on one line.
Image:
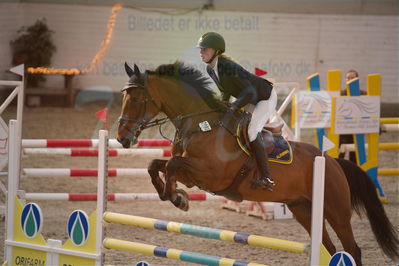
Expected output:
{"points": [[211, 158]]}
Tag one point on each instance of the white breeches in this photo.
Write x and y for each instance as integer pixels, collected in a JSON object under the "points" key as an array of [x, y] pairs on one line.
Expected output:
{"points": [[264, 110]]}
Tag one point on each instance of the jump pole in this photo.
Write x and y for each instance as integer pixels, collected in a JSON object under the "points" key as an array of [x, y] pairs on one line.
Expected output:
{"points": [[75, 172], [381, 146], [94, 152], [206, 232], [389, 127], [388, 171], [87, 143], [172, 253], [110, 196], [389, 120]]}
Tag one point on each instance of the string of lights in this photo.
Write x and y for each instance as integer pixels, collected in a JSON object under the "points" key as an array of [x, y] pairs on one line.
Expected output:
{"points": [[105, 43], [100, 54]]}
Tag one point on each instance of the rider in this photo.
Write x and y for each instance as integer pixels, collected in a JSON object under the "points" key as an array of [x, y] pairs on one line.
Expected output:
{"points": [[233, 80]]}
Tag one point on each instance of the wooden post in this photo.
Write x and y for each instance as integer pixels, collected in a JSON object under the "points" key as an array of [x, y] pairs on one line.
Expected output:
{"points": [[69, 89]]}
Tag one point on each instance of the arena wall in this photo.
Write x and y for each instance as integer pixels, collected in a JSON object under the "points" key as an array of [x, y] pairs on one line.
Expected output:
{"points": [[289, 46]]}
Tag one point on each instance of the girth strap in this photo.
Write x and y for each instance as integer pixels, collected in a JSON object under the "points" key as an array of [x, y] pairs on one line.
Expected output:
{"points": [[231, 192]]}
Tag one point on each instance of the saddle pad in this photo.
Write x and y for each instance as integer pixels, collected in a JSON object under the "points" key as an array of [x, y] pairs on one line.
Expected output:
{"points": [[282, 152]]}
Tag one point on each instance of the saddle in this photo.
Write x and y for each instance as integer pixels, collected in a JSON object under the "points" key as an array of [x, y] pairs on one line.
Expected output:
{"points": [[269, 131], [275, 145]]}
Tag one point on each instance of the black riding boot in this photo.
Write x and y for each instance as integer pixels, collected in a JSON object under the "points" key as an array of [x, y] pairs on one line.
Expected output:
{"points": [[258, 150]]}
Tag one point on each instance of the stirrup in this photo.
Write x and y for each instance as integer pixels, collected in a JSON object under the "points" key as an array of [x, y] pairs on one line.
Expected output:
{"points": [[270, 181], [265, 182]]}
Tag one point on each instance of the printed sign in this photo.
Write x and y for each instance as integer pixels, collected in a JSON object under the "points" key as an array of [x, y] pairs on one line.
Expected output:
{"points": [[357, 115], [78, 227], [142, 263], [342, 259], [281, 211], [314, 109], [31, 220]]}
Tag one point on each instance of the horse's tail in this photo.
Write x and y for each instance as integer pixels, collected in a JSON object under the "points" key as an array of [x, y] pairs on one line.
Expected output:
{"points": [[365, 199]]}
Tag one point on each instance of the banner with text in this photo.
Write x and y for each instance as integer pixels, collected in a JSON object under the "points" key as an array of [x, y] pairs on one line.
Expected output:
{"points": [[357, 115], [314, 109]]}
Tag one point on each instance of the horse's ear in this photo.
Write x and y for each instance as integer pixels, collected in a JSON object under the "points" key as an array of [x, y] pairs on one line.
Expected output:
{"points": [[136, 70], [129, 70]]}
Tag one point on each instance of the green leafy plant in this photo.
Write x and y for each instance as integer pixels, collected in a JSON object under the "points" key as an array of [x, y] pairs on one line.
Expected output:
{"points": [[33, 47]]}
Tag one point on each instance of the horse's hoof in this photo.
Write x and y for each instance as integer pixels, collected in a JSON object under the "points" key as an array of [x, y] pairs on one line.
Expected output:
{"points": [[181, 200], [162, 197]]}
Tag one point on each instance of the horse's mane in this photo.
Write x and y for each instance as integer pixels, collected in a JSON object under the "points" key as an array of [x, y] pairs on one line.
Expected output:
{"points": [[189, 77]]}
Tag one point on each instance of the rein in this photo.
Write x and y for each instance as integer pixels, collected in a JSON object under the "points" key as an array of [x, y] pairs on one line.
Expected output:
{"points": [[178, 122], [179, 118], [135, 131], [160, 122]]}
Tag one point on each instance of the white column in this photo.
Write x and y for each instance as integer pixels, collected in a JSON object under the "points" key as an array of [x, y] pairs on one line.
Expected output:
{"points": [[13, 176], [317, 209], [101, 191]]}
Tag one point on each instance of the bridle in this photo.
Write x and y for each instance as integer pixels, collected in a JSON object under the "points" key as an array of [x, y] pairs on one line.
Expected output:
{"points": [[139, 124], [134, 131]]}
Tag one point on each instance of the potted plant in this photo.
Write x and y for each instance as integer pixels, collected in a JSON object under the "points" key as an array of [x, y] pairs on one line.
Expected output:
{"points": [[33, 47]]}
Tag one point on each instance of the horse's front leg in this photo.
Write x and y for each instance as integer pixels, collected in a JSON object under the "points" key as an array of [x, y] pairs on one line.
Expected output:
{"points": [[178, 197], [154, 168]]}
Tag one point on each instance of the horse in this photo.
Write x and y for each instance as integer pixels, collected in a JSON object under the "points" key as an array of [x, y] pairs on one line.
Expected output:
{"points": [[210, 158]]}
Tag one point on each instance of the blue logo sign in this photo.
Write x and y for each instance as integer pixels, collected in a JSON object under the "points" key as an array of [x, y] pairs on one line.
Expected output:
{"points": [[342, 259], [142, 263], [31, 220], [78, 227]]}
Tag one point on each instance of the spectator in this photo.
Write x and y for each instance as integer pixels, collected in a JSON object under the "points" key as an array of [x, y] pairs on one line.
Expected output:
{"points": [[348, 139], [351, 74]]}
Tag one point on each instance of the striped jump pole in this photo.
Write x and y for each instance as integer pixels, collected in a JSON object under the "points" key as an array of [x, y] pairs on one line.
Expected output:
{"points": [[94, 152], [111, 196], [206, 232], [93, 143], [171, 253], [70, 172]]}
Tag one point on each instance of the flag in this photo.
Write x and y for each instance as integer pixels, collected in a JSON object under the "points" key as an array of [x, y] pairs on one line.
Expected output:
{"points": [[103, 115], [260, 72], [327, 144], [19, 70]]}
